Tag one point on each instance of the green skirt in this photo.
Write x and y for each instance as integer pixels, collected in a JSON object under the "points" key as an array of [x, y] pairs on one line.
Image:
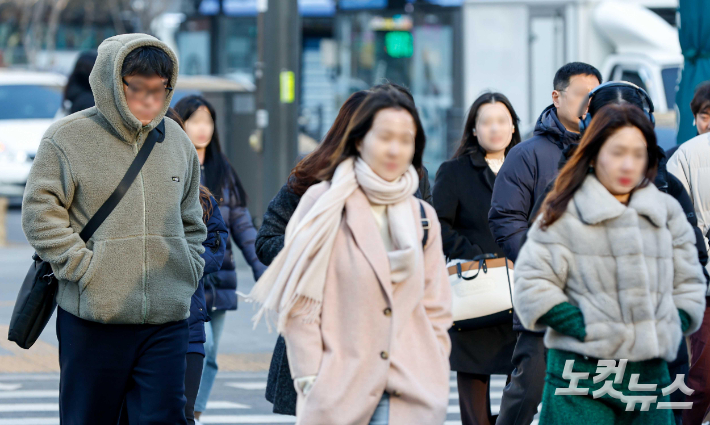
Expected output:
{"points": [[605, 410]]}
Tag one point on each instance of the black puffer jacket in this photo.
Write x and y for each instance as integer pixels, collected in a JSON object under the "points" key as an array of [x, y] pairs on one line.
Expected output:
{"points": [[526, 172], [528, 168]]}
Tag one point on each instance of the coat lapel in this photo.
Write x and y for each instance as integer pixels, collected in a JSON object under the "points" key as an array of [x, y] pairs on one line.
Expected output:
{"points": [[481, 166], [363, 226]]}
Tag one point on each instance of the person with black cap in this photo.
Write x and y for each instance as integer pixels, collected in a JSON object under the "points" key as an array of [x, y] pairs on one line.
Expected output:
{"points": [[622, 92]]}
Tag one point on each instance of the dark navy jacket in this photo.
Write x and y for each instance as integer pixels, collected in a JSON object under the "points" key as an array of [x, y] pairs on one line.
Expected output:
{"points": [[528, 168], [215, 246], [222, 285]]}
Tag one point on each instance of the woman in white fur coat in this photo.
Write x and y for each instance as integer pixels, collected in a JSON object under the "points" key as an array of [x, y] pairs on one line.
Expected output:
{"points": [[610, 271]]}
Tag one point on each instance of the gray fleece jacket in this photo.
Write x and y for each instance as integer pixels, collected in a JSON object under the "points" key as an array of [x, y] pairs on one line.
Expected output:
{"points": [[628, 269], [143, 264]]}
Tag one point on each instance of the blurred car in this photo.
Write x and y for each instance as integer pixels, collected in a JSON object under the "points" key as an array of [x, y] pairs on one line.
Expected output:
{"points": [[29, 103]]}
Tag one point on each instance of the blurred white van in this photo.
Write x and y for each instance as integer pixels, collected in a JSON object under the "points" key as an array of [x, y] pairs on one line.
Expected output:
{"points": [[29, 103]]}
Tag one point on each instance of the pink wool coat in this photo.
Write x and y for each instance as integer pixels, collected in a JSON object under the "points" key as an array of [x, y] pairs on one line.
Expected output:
{"points": [[375, 336]]}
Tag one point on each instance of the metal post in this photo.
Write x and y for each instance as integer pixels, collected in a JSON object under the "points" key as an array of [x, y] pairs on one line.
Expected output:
{"points": [[277, 90], [3, 216]]}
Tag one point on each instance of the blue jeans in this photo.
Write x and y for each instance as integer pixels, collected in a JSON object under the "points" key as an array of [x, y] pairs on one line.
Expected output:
{"points": [[382, 412], [213, 333]]}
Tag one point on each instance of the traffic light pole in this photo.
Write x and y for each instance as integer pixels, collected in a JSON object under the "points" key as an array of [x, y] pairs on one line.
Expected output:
{"points": [[277, 73]]}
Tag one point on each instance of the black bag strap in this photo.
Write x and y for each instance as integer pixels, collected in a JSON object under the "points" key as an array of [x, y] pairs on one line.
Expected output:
{"points": [[156, 135], [425, 225]]}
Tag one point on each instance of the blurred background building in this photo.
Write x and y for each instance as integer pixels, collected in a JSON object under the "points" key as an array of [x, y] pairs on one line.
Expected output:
{"points": [[445, 51]]}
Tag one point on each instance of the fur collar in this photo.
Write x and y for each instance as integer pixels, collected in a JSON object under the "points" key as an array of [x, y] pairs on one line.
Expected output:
{"points": [[595, 204]]}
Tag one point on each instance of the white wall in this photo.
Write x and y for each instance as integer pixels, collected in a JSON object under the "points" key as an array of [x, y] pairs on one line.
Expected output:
{"points": [[589, 45], [496, 52]]}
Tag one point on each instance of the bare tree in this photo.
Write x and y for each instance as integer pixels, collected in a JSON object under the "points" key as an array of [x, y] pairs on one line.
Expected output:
{"points": [[31, 14], [39, 20], [58, 7], [147, 10], [116, 6]]}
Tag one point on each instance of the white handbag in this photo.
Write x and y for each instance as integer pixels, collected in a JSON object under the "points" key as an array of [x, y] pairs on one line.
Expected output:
{"points": [[482, 292]]}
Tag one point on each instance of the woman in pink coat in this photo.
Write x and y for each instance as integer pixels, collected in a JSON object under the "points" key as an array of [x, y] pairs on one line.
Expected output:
{"points": [[360, 288]]}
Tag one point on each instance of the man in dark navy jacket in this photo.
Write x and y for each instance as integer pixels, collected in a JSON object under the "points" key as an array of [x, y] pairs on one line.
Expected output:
{"points": [[527, 170]]}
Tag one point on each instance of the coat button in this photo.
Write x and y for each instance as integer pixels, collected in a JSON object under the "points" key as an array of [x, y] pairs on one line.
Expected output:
{"points": [[385, 355], [388, 312]]}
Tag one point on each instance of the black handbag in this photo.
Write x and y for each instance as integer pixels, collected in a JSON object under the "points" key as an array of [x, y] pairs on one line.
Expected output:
{"points": [[36, 300]]}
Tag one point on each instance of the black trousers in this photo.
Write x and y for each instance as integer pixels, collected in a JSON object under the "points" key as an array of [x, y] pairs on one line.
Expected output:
{"points": [[101, 365], [524, 392], [475, 398], [193, 376]]}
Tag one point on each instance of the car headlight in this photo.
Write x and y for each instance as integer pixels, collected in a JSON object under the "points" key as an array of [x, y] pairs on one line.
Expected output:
{"points": [[8, 155]]}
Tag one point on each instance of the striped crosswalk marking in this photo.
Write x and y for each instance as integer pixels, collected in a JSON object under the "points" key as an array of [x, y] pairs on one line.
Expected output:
{"points": [[17, 403], [29, 394], [29, 407], [248, 419], [247, 385]]}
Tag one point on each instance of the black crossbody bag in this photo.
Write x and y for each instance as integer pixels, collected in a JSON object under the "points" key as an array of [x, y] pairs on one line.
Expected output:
{"points": [[36, 300]]}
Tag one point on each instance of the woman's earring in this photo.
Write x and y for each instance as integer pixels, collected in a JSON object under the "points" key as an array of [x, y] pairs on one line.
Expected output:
{"points": [[591, 169]]}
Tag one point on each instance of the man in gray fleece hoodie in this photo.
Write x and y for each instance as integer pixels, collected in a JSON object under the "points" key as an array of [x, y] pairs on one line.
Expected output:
{"points": [[125, 294]]}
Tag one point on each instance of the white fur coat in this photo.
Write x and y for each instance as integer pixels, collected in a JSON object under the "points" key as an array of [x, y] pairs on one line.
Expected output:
{"points": [[627, 268]]}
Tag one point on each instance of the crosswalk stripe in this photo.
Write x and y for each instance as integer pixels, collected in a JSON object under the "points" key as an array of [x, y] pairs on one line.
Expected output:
{"points": [[29, 394], [9, 387], [30, 407], [226, 405], [30, 421], [535, 422], [246, 419], [54, 407], [259, 385], [494, 395]]}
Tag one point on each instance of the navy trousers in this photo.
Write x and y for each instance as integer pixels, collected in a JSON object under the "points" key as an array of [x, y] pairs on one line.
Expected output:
{"points": [[103, 365]]}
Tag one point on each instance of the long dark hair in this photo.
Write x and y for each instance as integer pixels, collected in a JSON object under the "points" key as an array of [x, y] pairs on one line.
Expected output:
{"points": [[361, 122], [173, 115], [605, 122], [79, 77], [469, 142], [205, 193], [304, 174], [218, 172]]}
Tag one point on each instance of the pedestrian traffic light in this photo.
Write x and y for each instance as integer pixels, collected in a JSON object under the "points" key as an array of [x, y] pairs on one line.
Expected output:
{"points": [[399, 44]]}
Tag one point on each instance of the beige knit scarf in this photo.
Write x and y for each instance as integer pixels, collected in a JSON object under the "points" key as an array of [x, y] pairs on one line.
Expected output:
{"points": [[294, 282]]}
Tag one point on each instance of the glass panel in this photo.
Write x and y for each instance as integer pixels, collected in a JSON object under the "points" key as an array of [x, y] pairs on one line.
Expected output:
{"points": [[194, 51], [19, 102], [670, 81], [413, 51], [240, 51], [633, 77], [432, 88]]}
